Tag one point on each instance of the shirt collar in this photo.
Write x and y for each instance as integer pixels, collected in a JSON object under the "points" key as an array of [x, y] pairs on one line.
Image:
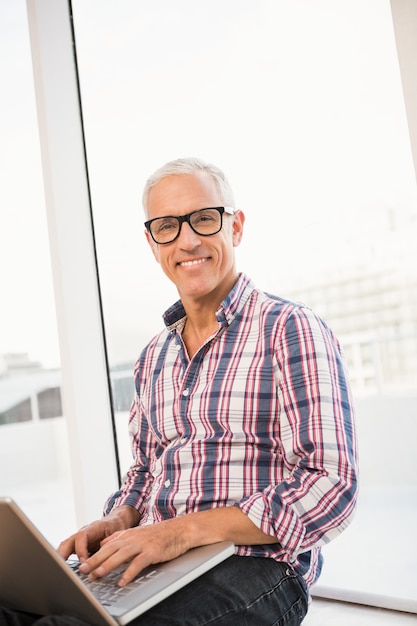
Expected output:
{"points": [[175, 316]]}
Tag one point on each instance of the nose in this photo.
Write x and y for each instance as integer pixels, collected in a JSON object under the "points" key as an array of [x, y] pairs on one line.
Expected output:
{"points": [[188, 239]]}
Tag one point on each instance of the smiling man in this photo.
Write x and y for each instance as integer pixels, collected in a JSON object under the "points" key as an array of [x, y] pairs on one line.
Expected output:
{"points": [[242, 427], [195, 248]]}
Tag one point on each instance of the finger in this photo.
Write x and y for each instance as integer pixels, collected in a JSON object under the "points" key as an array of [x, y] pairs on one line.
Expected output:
{"points": [[117, 552], [133, 569], [83, 545], [112, 537], [103, 561], [66, 547]]}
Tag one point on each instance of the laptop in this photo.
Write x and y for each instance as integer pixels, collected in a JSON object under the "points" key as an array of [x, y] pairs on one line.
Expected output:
{"points": [[34, 578]]}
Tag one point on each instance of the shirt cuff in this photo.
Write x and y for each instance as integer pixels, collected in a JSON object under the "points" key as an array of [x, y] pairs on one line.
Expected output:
{"points": [[281, 523]]}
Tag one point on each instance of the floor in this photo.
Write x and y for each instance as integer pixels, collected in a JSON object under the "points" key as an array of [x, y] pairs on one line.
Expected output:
{"points": [[329, 613]]}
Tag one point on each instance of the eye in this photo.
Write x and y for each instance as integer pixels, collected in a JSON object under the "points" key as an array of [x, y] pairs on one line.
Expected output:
{"points": [[205, 217], [165, 225]]}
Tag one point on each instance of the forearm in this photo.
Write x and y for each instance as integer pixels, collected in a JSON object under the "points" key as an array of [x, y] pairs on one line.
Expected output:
{"points": [[222, 524]]}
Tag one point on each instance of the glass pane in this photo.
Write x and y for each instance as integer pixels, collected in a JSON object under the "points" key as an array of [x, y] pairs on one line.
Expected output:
{"points": [[301, 104], [34, 462]]}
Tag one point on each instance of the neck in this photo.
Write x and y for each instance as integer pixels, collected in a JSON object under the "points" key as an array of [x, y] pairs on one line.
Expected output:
{"points": [[197, 330], [201, 315]]}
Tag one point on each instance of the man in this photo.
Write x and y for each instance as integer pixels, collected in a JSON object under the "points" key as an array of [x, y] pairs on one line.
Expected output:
{"points": [[242, 426]]}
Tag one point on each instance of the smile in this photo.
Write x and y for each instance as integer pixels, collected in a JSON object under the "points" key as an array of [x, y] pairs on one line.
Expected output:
{"points": [[196, 262]]}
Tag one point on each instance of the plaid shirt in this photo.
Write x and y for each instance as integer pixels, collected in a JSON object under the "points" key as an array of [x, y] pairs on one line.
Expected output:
{"points": [[260, 418]]}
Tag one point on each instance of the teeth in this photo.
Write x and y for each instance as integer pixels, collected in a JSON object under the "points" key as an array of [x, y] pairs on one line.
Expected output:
{"points": [[196, 262]]}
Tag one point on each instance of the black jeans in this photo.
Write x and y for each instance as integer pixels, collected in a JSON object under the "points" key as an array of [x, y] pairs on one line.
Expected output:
{"points": [[241, 591]]}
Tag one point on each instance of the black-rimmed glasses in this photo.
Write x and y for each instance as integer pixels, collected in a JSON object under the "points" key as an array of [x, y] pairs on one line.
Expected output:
{"points": [[204, 222]]}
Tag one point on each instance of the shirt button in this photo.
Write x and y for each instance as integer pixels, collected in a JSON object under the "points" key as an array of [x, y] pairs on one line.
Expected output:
{"points": [[167, 483], [186, 392]]}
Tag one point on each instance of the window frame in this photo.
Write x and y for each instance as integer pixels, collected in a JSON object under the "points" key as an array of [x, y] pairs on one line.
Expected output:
{"points": [[85, 379]]}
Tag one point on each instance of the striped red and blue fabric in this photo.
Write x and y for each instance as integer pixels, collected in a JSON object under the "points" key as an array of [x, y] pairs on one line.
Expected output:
{"points": [[260, 417]]}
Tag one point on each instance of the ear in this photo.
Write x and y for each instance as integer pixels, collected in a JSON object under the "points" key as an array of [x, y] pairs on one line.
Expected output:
{"points": [[153, 246], [238, 222]]}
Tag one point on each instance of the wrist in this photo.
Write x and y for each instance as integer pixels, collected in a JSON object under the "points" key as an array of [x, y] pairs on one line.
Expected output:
{"points": [[124, 517]]}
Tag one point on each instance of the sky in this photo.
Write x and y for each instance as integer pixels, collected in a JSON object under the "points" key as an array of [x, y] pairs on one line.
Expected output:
{"points": [[299, 102]]}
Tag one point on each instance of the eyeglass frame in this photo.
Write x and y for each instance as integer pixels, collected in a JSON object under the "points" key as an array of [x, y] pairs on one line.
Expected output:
{"points": [[187, 218]]}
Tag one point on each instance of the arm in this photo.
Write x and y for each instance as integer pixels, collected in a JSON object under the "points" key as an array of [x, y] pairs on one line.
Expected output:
{"points": [[146, 545], [123, 508], [138, 481], [316, 499]]}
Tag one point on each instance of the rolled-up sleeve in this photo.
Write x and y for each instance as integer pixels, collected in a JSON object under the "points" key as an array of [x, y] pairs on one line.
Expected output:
{"points": [[316, 499], [137, 483]]}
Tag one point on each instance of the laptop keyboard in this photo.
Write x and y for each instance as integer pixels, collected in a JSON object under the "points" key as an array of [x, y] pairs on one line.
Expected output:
{"points": [[106, 589]]}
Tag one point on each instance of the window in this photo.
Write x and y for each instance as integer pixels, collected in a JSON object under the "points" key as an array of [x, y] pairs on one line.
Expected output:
{"points": [[301, 104]]}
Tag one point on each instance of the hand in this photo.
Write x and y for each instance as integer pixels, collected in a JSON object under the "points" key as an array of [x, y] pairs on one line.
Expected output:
{"points": [[146, 545], [140, 547], [88, 539]]}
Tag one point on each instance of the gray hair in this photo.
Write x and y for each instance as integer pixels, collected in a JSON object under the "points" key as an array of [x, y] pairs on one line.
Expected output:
{"points": [[189, 165]]}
